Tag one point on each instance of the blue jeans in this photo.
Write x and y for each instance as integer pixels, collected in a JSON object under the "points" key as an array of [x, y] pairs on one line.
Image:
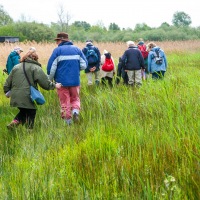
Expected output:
{"points": [[158, 75]]}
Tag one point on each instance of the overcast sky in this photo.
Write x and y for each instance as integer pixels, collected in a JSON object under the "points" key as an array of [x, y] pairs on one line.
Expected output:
{"points": [[125, 13]]}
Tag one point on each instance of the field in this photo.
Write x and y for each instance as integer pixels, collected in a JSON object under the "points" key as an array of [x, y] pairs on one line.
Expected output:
{"points": [[132, 143]]}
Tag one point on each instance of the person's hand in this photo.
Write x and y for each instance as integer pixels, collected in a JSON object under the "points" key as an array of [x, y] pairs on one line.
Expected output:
{"points": [[8, 94], [58, 85]]}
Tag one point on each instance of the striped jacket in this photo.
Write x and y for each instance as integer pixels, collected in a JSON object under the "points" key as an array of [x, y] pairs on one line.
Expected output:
{"points": [[65, 64]]}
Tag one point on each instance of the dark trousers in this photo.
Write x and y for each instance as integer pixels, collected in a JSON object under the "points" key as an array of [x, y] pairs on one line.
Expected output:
{"points": [[158, 75], [26, 116], [106, 79]]}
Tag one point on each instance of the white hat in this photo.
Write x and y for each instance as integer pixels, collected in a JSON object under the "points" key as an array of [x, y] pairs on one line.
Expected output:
{"points": [[18, 49], [130, 43], [33, 49], [105, 51]]}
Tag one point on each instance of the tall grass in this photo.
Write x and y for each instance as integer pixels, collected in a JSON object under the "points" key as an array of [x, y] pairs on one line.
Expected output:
{"points": [[132, 143]]}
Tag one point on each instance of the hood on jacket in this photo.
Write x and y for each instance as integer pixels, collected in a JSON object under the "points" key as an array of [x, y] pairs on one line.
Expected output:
{"points": [[155, 49], [65, 43]]}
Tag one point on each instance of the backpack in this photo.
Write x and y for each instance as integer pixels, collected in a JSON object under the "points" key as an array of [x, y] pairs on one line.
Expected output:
{"points": [[143, 50], [91, 56], [108, 65], [157, 57]]}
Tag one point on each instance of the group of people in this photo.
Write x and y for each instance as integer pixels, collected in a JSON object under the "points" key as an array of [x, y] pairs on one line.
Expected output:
{"points": [[135, 65], [63, 73]]}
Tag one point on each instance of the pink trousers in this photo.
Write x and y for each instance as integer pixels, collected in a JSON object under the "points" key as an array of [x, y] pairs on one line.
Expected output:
{"points": [[69, 101]]}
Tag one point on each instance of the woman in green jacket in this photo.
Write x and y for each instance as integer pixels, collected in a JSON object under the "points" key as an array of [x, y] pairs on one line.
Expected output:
{"points": [[19, 90]]}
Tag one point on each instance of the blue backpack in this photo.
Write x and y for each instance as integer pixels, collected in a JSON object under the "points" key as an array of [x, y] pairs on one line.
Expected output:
{"points": [[91, 56]]}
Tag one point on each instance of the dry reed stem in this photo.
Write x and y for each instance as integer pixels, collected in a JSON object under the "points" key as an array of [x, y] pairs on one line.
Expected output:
{"points": [[44, 50]]}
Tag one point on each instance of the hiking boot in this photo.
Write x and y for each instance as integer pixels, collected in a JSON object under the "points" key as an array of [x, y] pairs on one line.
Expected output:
{"points": [[13, 124], [76, 117], [69, 122], [96, 82]]}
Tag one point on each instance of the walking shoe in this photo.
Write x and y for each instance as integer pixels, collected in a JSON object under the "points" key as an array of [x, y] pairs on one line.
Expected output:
{"points": [[96, 82], [76, 117], [69, 122], [13, 124]]}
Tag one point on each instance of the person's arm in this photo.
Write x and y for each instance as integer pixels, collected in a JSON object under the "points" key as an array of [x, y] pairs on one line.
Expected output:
{"points": [[83, 61], [99, 57], [42, 79], [52, 65], [149, 62], [165, 60], [8, 83]]}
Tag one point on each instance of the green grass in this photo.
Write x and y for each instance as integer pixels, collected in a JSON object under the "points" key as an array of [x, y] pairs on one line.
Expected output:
{"points": [[131, 144]]}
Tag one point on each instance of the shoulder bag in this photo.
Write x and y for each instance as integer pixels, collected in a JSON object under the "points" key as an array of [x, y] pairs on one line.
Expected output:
{"points": [[35, 95]]}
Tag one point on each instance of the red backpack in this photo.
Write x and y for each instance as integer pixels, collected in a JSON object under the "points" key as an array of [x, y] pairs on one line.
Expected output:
{"points": [[143, 50], [108, 65]]}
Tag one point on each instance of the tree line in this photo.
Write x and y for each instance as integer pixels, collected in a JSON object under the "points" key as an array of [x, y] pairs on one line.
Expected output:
{"points": [[81, 30]]}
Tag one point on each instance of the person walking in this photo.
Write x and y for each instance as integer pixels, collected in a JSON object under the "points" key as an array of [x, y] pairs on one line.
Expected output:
{"points": [[157, 61], [13, 59], [93, 56], [133, 64], [107, 70], [17, 87], [64, 66], [121, 73]]}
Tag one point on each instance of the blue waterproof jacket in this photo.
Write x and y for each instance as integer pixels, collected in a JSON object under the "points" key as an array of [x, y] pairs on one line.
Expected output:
{"points": [[152, 66], [13, 59], [65, 64]]}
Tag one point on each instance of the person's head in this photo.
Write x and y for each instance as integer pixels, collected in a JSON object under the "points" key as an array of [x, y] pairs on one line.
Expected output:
{"points": [[31, 54], [130, 44], [140, 41], [34, 56], [61, 37], [107, 54], [150, 45], [88, 42], [32, 49], [18, 49]]}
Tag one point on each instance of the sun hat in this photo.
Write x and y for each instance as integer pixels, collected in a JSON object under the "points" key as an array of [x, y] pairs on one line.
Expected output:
{"points": [[17, 49], [105, 51], [130, 43], [62, 36]]}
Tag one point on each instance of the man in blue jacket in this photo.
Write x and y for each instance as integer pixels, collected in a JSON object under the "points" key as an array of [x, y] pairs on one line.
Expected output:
{"points": [[64, 67]]}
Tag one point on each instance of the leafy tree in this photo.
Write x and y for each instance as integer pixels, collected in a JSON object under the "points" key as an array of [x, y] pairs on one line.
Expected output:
{"points": [[82, 24], [10, 30], [141, 27], [4, 17], [35, 31], [181, 19], [164, 25], [113, 27]]}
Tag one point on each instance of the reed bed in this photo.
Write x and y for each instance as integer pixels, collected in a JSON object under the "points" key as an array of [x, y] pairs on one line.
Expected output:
{"points": [[44, 50]]}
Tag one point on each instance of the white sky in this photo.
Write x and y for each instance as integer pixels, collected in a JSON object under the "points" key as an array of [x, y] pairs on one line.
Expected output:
{"points": [[125, 13]]}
